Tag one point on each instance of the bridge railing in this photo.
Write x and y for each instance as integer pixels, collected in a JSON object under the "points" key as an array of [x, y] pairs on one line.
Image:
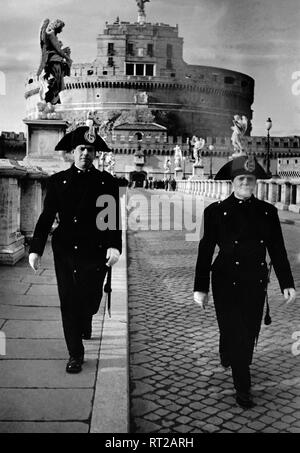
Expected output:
{"points": [[284, 194], [22, 191]]}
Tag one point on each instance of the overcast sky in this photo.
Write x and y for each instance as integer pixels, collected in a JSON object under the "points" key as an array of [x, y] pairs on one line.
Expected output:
{"points": [[258, 37]]}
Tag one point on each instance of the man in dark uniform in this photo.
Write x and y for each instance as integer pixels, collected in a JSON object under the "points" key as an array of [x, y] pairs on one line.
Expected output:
{"points": [[244, 228], [84, 239]]}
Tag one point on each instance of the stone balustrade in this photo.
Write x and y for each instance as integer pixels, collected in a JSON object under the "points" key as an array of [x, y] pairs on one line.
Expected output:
{"points": [[21, 195], [284, 194]]}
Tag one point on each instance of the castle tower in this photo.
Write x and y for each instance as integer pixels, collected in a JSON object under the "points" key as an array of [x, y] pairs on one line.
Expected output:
{"points": [[139, 74]]}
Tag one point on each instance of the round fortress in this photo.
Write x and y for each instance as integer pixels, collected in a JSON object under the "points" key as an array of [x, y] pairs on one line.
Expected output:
{"points": [[139, 75]]}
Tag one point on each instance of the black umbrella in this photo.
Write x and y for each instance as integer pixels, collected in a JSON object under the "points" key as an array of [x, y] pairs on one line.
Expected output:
{"points": [[267, 319], [108, 290]]}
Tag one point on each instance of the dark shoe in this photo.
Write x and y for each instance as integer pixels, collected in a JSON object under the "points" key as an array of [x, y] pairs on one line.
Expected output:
{"points": [[225, 365], [244, 400], [74, 364]]}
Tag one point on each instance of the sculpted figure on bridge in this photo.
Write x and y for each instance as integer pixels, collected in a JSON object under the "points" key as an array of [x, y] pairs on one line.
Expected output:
{"points": [[55, 61], [141, 5], [177, 156], [198, 144], [239, 128]]}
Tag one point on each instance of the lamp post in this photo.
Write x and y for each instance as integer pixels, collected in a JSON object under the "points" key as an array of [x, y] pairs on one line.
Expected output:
{"points": [[183, 160], [211, 148], [268, 127]]}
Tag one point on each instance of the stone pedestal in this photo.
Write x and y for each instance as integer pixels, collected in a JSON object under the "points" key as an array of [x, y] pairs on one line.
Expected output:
{"points": [[31, 200], [11, 240], [42, 137], [178, 173], [198, 172]]}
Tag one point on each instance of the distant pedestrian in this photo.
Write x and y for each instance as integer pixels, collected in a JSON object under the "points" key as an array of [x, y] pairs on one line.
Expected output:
{"points": [[244, 228]]}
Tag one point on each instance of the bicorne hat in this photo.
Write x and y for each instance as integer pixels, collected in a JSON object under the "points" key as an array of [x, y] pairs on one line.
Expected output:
{"points": [[242, 165], [83, 135]]}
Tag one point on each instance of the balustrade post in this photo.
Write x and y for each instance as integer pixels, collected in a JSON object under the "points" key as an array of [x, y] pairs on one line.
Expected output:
{"points": [[12, 247], [284, 201], [261, 186], [31, 200]]}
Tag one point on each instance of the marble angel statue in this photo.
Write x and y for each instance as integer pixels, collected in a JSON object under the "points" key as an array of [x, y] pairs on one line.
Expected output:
{"points": [[240, 125], [177, 156], [55, 61], [198, 144]]}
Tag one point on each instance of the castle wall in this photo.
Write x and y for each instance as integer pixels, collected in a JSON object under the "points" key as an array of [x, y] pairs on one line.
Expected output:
{"points": [[12, 145], [132, 58]]}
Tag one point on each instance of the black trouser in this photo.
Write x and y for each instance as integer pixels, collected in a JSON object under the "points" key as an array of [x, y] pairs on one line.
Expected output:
{"points": [[239, 313], [241, 377], [80, 282]]}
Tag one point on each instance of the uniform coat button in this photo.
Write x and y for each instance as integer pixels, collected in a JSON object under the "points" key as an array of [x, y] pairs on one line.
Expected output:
{"points": [[225, 213], [234, 283], [75, 247], [75, 271], [262, 241], [237, 263], [236, 242]]}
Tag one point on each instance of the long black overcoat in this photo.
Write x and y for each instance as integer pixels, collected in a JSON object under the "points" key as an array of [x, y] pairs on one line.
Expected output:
{"points": [[244, 231], [79, 246]]}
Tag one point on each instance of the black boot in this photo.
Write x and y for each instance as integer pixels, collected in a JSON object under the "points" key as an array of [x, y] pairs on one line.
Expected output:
{"points": [[74, 364], [244, 400]]}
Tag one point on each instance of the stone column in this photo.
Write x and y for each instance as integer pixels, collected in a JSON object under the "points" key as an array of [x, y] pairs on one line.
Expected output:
{"points": [[284, 201], [202, 187], [206, 188], [11, 240], [31, 200], [261, 189], [298, 194], [219, 189], [273, 191], [295, 207]]}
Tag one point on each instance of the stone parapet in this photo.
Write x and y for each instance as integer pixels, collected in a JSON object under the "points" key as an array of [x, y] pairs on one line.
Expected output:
{"points": [[11, 240], [20, 206], [284, 194]]}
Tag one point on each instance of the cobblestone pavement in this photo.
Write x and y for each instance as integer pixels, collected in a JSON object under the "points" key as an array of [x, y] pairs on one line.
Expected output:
{"points": [[176, 383]]}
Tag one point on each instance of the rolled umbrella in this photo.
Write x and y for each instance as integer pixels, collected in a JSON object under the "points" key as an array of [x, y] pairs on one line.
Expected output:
{"points": [[108, 290], [268, 319]]}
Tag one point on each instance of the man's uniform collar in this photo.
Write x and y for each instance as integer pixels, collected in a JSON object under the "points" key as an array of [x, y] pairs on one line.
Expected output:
{"points": [[80, 171], [239, 201]]}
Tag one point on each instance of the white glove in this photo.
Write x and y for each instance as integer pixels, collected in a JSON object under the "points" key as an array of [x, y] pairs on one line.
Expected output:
{"points": [[201, 299], [113, 256], [289, 295], [34, 261]]}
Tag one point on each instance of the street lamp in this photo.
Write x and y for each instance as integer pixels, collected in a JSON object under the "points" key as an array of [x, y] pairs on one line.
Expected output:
{"points": [[268, 127], [183, 160], [211, 148]]}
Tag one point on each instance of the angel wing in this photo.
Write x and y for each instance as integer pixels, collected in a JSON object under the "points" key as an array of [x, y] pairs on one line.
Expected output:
{"points": [[43, 46]]}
